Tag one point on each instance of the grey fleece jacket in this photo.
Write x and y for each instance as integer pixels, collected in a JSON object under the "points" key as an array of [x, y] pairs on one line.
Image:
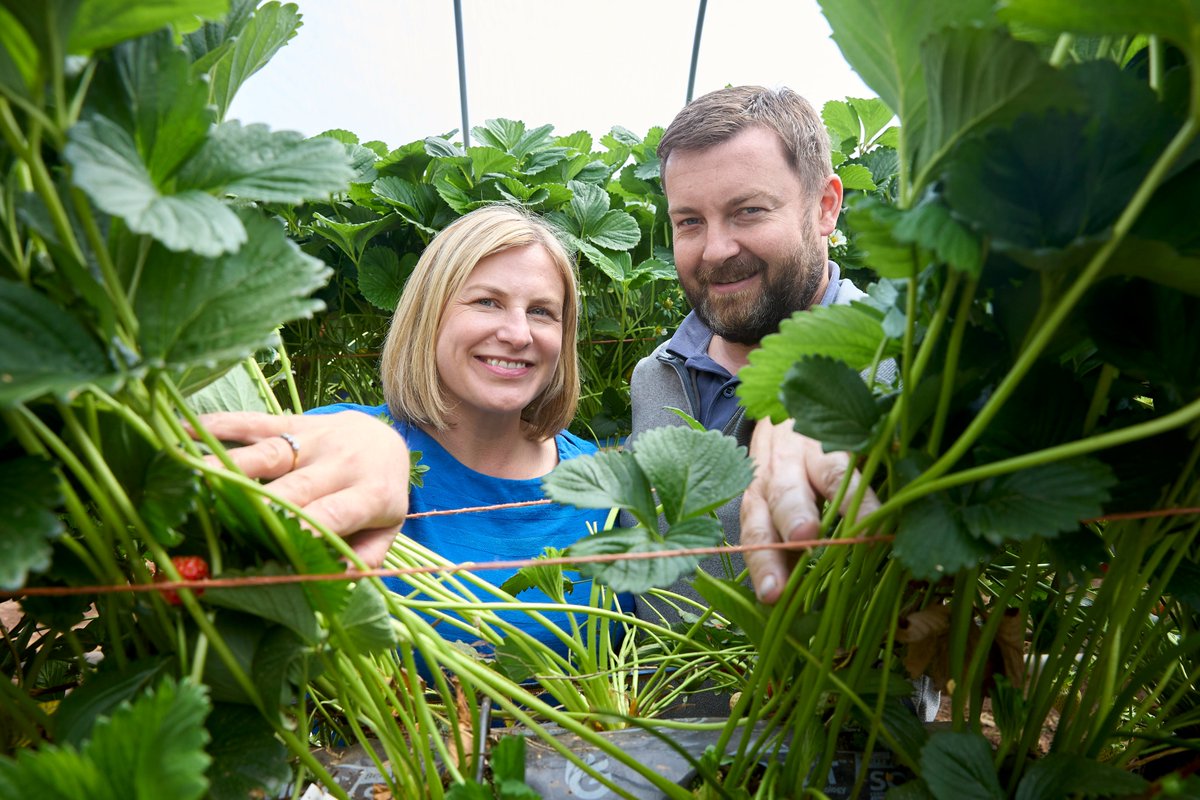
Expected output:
{"points": [[661, 381]]}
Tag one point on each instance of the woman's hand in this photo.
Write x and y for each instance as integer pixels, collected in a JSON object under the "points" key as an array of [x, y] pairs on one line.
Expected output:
{"points": [[348, 471]]}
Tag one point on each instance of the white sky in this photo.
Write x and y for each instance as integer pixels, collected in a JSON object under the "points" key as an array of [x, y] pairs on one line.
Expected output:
{"points": [[387, 69]]}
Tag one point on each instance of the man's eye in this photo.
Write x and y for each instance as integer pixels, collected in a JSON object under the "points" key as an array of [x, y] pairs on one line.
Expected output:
{"points": [[687, 222]]}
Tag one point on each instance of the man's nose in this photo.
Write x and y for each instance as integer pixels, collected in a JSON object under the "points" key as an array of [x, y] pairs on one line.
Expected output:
{"points": [[719, 244]]}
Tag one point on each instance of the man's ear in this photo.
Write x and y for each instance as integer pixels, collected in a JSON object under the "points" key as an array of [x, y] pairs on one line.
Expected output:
{"points": [[830, 200]]}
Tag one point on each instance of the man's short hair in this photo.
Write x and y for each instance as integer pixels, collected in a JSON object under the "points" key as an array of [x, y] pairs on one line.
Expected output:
{"points": [[719, 116], [411, 384]]}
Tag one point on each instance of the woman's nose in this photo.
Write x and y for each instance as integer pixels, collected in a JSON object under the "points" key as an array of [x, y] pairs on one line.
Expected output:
{"points": [[514, 329]]}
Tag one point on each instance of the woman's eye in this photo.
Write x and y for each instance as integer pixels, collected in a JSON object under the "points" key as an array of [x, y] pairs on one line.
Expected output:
{"points": [[540, 311], [486, 302]]}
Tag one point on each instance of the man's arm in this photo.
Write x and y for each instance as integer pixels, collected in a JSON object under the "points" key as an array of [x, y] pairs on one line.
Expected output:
{"points": [[351, 470], [791, 472]]}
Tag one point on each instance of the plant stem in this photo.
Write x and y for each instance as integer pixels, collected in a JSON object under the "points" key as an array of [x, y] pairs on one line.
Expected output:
{"points": [[1132, 433], [286, 369], [1108, 373], [950, 368]]}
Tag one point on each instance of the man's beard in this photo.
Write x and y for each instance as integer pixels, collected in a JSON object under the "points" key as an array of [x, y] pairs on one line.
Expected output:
{"points": [[786, 288]]}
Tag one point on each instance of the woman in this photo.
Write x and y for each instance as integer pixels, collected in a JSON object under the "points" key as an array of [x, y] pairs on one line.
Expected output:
{"points": [[480, 377]]}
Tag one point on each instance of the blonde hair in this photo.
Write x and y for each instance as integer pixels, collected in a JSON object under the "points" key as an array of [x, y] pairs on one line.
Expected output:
{"points": [[411, 384], [719, 116]]}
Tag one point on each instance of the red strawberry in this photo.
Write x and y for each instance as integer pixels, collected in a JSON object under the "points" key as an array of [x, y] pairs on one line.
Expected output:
{"points": [[190, 568]]}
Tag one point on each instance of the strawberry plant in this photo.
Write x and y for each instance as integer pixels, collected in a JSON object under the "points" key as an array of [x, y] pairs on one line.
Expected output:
{"points": [[143, 253], [1028, 229]]}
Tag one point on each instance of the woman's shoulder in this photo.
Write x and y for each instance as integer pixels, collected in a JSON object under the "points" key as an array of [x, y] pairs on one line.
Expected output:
{"points": [[572, 446], [336, 408]]}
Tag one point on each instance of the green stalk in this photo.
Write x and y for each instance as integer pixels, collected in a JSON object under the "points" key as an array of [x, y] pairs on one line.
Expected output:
{"points": [[108, 270], [1062, 49], [85, 477], [907, 367], [515, 701], [913, 375], [876, 719], [1108, 373], [286, 369], [962, 614], [923, 486], [43, 184], [1154, 46], [950, 369]]}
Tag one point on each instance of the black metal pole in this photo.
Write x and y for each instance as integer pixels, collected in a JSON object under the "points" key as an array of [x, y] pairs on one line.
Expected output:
{"points": [[695, 49], [462, 73]]}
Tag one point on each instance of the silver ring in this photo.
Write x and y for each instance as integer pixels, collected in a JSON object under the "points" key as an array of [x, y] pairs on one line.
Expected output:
{"points": [[291, 440]]}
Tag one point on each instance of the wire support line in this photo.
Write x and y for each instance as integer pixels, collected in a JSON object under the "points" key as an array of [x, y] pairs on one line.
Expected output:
{"points": [[473, 566], [1128, 515], [476, 509], [399, 572]]}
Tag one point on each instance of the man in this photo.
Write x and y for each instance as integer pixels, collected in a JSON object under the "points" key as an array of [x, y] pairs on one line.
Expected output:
{"points": [[752, 198]]}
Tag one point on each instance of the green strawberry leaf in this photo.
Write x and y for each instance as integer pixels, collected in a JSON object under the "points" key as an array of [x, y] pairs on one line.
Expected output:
{"points": [[957, 766], [848, 333], [603, 480], [195, 311], [831, 404], [693, 472], [270, 28], [382, 275], [366, 620], [102, 23], [641, 575], [254, 163], [46, 350], [1040, 501], [247, 758], [154, 747], [932, 542], [107, 167], [30, 497], [284, 603], [1070, 775]]}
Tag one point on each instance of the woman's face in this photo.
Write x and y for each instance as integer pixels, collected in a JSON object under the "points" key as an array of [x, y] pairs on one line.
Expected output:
{"points": [[501, 336]]}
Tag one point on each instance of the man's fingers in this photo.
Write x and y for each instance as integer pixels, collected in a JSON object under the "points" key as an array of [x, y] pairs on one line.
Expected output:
{"points": [[827, 472], [768, 568]]}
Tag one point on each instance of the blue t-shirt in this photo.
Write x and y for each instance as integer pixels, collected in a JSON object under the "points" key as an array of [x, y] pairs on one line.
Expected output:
{"points": [[499, 535]]}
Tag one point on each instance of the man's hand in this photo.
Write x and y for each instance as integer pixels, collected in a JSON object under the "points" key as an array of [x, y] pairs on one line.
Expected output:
{"points": [[791, 472], [351, 470]]}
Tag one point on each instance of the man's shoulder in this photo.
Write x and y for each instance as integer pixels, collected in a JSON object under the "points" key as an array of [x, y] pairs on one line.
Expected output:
{"points": [[847, 293]]}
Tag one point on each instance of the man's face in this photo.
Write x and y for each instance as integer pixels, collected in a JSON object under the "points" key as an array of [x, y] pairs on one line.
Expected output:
{"points": [[749, 240]]}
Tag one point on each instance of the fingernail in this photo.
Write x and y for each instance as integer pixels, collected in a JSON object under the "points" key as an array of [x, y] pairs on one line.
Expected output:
{"points": [[767, 588]]}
